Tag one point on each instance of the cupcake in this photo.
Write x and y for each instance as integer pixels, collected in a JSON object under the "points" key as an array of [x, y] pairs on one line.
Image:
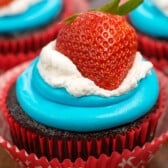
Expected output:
{"points": [[87, 94], [150, 20], [26, 26]]}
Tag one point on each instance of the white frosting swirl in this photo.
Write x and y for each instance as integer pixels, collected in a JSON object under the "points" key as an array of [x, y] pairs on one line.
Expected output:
{"points": [[58, 71], [162, 5], [17, 7]]}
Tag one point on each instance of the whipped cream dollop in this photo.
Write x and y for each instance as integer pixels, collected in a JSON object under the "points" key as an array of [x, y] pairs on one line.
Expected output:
{"points": [[17, 7], [59, 71], [162, 6]]}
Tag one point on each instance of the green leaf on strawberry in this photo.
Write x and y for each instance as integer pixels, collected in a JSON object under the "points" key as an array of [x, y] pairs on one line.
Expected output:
{"points": [[113, 7], [128, 6]]}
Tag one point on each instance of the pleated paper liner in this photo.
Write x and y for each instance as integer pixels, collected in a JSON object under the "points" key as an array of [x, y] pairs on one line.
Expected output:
{"points": [[137, 157], [161, 64], [12, 50], [152, 47], [155, 50], [10, 60], [128, 159]]}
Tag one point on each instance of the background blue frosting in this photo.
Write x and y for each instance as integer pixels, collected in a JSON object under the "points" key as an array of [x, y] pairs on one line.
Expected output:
{"points": [[82, 117], [148, 19], [37, 15]]}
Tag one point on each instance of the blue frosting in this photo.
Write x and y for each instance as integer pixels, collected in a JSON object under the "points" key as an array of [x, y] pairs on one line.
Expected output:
{"points": [[148, 19], [37, 15], [54, 107]]}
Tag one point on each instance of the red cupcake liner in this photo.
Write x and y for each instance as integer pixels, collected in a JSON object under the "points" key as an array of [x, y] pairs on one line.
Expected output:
{"points": [[155, 50], [45, 145], [161, 64], [12, 51], [128, 159], [72, 148], [152, 47], [10, 60]]}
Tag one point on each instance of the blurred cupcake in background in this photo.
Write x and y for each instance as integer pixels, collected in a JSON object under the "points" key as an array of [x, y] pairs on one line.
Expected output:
{"points": [[151, 21], [26, 26]]}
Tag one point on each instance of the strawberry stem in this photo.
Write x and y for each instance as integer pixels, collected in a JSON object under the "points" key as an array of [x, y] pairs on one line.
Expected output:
{"points": [[113, 7], [128, 7]]}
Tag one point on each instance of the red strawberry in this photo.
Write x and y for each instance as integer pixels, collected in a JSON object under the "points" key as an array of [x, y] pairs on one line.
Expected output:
{"points": [[101, 45], [5, 2]]}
